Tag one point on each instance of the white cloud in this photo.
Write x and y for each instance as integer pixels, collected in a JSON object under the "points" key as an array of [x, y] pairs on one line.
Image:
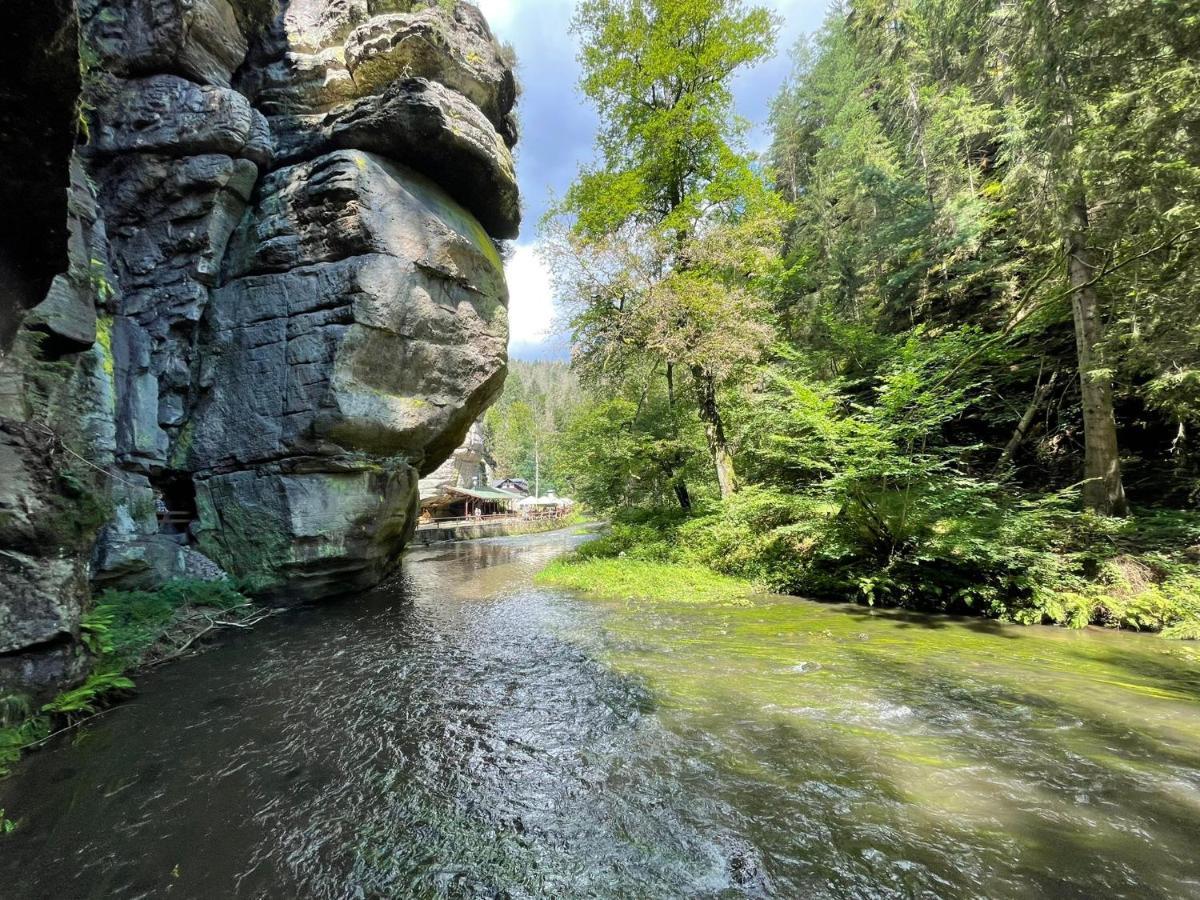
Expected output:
{"points": [[531, 297]]}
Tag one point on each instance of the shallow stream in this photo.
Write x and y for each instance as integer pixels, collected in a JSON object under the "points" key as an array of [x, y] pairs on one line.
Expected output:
{"points": [[460, 732]]}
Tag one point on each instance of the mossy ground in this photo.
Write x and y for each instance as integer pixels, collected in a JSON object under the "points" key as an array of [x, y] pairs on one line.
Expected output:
{"points": [[1137, 574], [635, 579]]}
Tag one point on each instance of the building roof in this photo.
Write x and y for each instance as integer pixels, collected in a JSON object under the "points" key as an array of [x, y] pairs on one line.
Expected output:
{"points": [[484, 493], [548, 500], [516, 482]]}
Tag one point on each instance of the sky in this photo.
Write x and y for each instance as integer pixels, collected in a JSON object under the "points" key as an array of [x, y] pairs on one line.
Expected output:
{"points": [[558, 128]]}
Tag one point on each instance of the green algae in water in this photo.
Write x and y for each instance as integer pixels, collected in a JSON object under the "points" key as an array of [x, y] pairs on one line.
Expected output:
{"points": [[1026, 755]]}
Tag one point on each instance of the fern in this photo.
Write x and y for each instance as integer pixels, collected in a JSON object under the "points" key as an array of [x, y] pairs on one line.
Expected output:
{"points": [[83, 699]]}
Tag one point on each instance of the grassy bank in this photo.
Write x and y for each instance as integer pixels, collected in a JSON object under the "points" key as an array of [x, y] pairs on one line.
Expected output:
{"points": [[1032, 566], [125, 632], [637, 579]]}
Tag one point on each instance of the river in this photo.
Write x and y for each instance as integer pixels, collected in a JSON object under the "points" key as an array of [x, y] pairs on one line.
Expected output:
{"points": [[460, 732]]}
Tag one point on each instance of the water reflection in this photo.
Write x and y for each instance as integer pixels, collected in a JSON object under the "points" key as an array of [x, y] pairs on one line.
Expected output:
{"points": [[459, 733]]}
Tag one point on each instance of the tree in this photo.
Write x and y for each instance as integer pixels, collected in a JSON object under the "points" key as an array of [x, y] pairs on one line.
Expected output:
{"points": [[1044, 71], [524, 426], [1024, 167], [669, 176]]}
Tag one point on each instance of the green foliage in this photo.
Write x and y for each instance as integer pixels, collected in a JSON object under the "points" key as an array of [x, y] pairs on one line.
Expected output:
{"points": [[619, 452], [903, 387], [637, 579], [658, 246], [96, 630], [20, 726], [524, 426], [658, 72], [83, 699], [129, 623], [121, 631], [973, 549], [643, 533]]}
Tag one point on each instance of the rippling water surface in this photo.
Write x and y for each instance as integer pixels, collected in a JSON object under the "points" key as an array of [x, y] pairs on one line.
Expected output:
{"points": [[461, 733]]}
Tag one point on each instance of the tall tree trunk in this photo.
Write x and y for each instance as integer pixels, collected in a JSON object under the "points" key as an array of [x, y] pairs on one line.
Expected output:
{"points": [[1103, 491], [714, 428], [678, 484], [681, 494], [1040, 393]]}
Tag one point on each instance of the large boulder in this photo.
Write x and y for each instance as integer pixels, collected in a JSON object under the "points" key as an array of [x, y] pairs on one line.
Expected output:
{"points": [[457, 51], [295, 534], [200, 39], [429, 127], [430, 88], [170, 115], [365, 311], [276, 341]]}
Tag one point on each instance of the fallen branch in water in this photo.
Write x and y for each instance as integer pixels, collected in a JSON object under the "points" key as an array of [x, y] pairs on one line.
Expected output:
{"points": [[212, 625]]}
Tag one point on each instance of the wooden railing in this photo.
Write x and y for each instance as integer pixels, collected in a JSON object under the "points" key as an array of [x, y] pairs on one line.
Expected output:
{"points": [[454, 521], [467, 520]]}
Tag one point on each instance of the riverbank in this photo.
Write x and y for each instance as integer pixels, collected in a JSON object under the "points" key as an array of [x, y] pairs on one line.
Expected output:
{"points": [[1140, 574], [637, 579], [126, 633], [465, 530]]}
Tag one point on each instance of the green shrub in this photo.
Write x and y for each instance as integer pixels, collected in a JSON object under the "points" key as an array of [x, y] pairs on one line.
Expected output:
{"points": [[957, 545], [84, 698], [646, 533], [640, 579]]}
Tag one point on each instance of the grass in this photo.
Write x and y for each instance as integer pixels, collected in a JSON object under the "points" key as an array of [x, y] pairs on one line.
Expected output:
{"points": [[636, 579]]}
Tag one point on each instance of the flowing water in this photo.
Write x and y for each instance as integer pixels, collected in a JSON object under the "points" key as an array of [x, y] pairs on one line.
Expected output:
{"points": [[462, 733]]}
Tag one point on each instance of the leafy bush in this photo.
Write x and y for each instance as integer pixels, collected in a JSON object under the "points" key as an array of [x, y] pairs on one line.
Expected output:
{"points": [[641, 533], [966, 547], [84, 698]]}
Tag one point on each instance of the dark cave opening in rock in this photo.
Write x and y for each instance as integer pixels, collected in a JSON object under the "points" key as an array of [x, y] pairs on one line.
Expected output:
{"points": [[38, 125], [178, 494]]}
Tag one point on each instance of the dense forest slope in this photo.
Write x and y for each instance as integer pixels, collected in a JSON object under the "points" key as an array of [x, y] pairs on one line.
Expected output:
{"points": [[939, 347], [251, 293]]}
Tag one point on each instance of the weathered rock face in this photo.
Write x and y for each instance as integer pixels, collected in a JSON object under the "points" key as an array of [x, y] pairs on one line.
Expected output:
{"points": [[279, 302], [369, 308]]}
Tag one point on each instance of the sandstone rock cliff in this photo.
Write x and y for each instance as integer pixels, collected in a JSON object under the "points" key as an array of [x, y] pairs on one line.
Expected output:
{"points": [[278, 299]]}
